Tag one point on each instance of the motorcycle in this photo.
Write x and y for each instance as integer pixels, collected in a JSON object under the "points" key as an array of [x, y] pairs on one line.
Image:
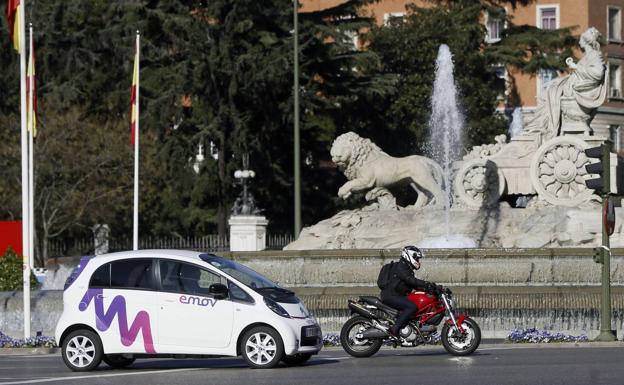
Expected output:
{"points": [[364, 333]]}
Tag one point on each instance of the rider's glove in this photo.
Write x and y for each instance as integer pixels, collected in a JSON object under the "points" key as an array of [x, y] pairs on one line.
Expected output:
{"points": [[430, 287]]}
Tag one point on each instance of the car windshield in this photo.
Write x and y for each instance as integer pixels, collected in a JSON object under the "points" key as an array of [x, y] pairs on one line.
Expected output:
{"points": [[240, 272]]}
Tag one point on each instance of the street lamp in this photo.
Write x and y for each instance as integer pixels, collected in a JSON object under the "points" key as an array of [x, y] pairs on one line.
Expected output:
{"points": [[244, 205]]}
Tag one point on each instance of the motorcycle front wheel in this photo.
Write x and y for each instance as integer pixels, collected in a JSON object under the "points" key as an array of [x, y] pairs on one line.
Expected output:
{"points": [[458, 343], [355, 346]]}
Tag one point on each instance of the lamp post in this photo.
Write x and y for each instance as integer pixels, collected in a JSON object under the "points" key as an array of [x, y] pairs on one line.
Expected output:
{"points": [[247, 206], [242, 176], [297, 161]]}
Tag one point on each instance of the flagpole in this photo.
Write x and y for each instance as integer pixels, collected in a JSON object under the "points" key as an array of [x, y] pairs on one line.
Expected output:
{"points": [[135, 232], [25, 193], [31, 151]]}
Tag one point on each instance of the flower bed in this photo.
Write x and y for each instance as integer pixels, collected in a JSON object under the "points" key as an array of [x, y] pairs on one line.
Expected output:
{"points": [[542, 336], [32, 342]]}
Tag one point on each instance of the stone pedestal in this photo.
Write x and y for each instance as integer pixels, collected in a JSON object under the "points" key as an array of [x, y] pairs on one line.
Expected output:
{"points": [[248, 232]]}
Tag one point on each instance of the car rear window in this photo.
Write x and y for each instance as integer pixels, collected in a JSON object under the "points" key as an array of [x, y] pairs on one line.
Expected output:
{"points": [[124, 274]]}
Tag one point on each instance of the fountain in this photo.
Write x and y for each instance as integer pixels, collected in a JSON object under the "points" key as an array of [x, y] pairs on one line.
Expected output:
{"points": [[541, 168], [445, 124], [445, 142]]}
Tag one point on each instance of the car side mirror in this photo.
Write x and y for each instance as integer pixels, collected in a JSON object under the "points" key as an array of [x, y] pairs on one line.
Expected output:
{"points": [[218, 290]]}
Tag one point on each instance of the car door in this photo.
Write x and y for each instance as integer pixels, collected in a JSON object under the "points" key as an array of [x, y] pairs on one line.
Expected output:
{"points": [[189, 317]]}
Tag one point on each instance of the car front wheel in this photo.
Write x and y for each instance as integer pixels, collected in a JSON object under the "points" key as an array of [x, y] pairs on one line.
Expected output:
{"points": [[262, 347], [82, 350]]}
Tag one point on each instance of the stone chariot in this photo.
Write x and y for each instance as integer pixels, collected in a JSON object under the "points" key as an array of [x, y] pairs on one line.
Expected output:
{"points": [[548, 159]]}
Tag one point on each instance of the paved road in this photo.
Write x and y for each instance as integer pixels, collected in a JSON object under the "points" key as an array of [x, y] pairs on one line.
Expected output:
{"points": [[495, 364]]}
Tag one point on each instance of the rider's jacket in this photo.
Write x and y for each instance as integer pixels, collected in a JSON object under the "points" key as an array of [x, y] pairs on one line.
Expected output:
{"points": [[402, 281]]}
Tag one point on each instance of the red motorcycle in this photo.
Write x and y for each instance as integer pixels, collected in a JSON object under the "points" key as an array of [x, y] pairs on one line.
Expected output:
{"points": [[364, 333]]}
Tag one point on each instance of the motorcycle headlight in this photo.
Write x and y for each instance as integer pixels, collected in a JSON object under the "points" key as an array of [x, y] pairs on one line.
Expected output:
{"points": [[277, 309]]}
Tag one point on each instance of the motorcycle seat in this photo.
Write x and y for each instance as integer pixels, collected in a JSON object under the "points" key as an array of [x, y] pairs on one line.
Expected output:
{"points": [[372, 300]]}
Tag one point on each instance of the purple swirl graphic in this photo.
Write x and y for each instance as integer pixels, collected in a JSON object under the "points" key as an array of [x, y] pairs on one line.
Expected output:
{"points": [[118, 308]]}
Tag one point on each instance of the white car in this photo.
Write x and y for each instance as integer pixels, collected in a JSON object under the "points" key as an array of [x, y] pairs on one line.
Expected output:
{"points": [[172, 303]]}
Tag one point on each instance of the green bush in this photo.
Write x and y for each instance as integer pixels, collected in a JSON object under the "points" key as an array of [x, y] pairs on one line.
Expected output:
{"points": [[11, 274]]}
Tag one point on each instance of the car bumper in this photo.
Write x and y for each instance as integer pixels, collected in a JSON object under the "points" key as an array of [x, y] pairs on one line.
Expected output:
{"points": [[306, 337]]}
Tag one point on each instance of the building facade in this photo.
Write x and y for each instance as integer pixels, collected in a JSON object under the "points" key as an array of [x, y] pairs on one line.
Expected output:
{"points": [[605, 15]]}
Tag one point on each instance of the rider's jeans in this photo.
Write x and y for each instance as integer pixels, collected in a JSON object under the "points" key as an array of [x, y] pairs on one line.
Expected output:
{"points": [[407, 307]]}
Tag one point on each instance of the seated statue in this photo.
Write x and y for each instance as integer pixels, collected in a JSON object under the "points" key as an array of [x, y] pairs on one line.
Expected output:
{"points": [[368, 167], [569, 102]]}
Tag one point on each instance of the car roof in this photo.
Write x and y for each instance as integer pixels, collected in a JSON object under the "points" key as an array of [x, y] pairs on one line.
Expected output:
{"points": [[153, 253]]}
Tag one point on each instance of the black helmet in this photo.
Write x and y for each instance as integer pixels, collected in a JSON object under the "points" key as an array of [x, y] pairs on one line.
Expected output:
{"points": [[412, 255]]}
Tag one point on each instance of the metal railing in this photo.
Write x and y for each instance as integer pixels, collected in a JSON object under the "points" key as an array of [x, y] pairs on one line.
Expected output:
{"points": [[213, 243]]}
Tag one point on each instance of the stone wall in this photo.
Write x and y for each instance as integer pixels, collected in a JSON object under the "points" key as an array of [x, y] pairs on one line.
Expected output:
{"points": [[452, 267]]}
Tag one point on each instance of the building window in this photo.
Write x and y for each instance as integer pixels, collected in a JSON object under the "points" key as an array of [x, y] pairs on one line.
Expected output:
{"points": [[545, 76], [614, 23], [615, 79], [393, 19], [548, 16], [352, 38], [494, 28]]}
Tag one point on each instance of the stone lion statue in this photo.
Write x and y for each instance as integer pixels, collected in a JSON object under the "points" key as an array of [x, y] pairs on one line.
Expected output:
{"points": [[367, 167]]}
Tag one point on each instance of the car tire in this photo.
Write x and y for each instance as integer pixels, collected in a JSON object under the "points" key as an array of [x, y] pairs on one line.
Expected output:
{"points": [[82, 350], [118, 361], [262, 347], [296, 359]]}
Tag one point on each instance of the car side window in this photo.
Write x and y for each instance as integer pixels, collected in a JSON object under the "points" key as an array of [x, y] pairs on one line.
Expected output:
{"points": [[131, 274], [186, 278], [101, 276], [238, 294]]}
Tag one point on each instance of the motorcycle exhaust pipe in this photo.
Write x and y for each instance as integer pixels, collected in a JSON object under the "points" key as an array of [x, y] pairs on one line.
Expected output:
{"points": [[373, 333], [361, 310]]}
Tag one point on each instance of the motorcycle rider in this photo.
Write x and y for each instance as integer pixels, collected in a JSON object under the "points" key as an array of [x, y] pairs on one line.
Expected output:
{"points": [[402, 281]]}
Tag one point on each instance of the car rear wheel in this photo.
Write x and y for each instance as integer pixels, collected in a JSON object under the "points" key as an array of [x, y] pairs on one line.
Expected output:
{"points": [[82, 350], [262, 347]]}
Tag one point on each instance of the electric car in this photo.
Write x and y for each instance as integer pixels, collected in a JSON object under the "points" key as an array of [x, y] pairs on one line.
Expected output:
{"points": [[171, 303]]}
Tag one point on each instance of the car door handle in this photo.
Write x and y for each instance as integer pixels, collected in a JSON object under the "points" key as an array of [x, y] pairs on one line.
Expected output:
{"points": [[100, 296], [171, 300]]}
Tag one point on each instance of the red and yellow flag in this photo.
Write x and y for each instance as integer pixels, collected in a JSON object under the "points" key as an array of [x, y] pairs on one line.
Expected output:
{"points": [[14, 7], [133, 101], [31, 91]]}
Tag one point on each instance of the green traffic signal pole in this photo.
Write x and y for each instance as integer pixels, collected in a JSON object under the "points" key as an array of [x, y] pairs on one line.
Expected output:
{"points": [[297, 161], [606, 334]]}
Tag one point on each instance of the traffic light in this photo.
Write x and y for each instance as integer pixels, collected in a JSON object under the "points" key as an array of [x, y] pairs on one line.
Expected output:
{"points": [[601, 184]]}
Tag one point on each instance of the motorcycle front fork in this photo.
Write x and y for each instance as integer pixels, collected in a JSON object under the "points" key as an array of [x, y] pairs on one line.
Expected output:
{"points": [[450, 312]]}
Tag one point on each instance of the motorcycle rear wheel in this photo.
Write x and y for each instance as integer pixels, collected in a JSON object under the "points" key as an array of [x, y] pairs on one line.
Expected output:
{"points": [[461, 344], [354, 346]]}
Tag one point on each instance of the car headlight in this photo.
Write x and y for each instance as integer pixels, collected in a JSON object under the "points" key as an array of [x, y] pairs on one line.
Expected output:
{"points": [[277, 309]]}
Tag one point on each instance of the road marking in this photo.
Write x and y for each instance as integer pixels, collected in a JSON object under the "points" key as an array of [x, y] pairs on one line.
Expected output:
{"points": [[56, 379]]}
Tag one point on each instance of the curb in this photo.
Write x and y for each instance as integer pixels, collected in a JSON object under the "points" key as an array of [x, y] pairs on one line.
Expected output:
{"points": [[28, 351]]}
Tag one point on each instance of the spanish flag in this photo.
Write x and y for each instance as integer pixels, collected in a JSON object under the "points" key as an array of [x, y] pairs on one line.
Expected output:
{"points": [[14, 7], [31, 90], [133, 97]]}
